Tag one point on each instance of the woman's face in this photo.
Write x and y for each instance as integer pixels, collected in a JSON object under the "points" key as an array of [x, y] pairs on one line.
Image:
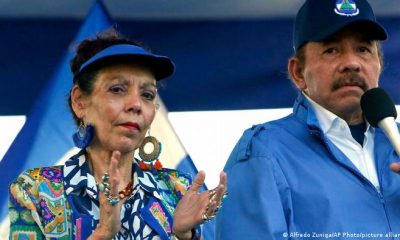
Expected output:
{"points": [[121, 107]]}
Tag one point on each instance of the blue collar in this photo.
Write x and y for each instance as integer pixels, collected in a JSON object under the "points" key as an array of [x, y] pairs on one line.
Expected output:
{"points": [[302, 109]]}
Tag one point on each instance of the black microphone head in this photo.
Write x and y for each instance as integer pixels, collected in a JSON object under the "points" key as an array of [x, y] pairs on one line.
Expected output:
{"points": [[377, 105]]}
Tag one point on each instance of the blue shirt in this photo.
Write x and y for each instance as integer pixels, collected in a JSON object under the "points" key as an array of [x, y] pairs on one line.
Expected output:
{"points": [[287, 180]]}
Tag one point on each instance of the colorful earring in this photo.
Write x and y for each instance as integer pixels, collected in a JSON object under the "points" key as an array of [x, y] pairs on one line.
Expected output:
{"points": [[150, 160], [84, 135]]}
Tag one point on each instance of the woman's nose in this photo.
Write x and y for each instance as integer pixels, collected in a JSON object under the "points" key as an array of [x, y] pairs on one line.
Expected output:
{"points": [[134, 103]]}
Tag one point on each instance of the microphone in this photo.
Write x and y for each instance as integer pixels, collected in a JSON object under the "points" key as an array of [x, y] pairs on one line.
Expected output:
{"points": [[379, 110]]}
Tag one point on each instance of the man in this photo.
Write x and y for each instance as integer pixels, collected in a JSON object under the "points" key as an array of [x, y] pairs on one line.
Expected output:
{"points": [[323, 171]]}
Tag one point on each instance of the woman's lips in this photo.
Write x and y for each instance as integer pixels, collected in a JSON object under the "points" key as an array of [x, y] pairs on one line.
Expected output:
{"points": [[131, 126]]}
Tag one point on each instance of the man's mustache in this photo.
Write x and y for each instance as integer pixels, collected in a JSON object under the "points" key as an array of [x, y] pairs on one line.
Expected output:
{"points": [[351, 79]]}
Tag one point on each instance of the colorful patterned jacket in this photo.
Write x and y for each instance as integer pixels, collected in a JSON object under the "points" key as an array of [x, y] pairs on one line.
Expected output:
{"points": [[61, 202]]}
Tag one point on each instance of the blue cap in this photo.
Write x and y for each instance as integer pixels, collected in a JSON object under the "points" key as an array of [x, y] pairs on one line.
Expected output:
{"points": [[317, 20], [161, 66]]}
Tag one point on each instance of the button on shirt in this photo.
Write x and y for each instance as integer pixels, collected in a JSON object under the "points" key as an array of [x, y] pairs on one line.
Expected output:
{"points": [[338, 131]]}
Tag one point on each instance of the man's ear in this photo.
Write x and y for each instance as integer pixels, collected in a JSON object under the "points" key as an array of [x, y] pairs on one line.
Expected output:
{"points": [[296, 73], [78, 101]]}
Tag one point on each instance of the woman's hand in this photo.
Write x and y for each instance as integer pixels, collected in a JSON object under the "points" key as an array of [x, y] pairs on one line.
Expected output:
{"points": [[194, 206], [110, 215]]}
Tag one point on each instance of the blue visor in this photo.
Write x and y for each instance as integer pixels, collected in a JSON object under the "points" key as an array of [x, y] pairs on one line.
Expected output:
{"points": [[161, 66]]}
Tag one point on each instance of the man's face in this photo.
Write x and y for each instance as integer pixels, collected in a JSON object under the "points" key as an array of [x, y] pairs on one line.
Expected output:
{"points": [[338, 71]]}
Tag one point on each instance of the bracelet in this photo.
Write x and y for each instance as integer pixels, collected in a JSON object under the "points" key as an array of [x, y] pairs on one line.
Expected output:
{"points": [[173, 237]]}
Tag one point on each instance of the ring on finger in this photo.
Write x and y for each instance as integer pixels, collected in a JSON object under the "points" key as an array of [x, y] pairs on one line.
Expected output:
{"points": [[105, 187], [211, 199], [225, 195], [113, 200], [218, 208], [205, 218], [105, 177], [212, 195]]}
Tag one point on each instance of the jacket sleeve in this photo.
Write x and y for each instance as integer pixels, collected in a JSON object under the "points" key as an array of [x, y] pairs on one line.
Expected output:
{"points": [[37, 206], [258, 205], [21, 212], [178, 184]]}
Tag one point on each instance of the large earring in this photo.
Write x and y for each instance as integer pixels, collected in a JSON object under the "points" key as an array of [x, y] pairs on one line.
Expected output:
{"points": [[150, 160], [83, 135]]}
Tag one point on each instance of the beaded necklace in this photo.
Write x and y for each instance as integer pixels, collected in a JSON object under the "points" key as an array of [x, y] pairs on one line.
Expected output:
{"points": [[126, 192]]}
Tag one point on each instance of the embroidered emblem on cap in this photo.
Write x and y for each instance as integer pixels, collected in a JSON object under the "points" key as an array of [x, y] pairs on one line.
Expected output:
{"points": [[346, 8]]}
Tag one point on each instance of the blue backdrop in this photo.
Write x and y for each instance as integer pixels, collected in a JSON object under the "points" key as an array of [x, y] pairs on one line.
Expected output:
{"points": [[220, 64]]}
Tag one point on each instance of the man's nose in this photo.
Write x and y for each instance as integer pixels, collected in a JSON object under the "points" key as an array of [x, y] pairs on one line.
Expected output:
{"points": [[350, 61]]}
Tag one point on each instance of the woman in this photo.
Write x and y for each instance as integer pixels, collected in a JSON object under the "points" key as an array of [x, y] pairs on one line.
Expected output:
{"points": [[103, 192]]}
